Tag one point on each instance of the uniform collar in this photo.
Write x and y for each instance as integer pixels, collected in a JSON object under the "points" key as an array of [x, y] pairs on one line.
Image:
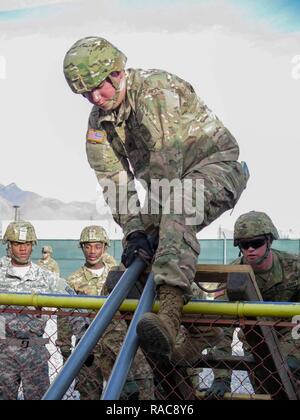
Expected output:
{"points": [[89, 274], [273, 276]]}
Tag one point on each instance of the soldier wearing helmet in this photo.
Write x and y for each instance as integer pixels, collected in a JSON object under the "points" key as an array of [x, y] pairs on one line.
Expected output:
{"points": [[20, 238], [89, 280], [47, 262], [150, 125], [23, 353], [277, 275], [254, 233]]}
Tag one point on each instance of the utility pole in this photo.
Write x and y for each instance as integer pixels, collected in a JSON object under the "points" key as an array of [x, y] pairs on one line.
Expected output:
{"points": [[224, 248], [17, 213]]}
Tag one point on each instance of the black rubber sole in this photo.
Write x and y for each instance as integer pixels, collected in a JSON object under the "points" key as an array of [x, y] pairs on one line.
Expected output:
{"points": [[153, 336]]}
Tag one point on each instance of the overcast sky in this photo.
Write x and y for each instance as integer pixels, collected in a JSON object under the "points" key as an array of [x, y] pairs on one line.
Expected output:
{"points": [[242, 57]]}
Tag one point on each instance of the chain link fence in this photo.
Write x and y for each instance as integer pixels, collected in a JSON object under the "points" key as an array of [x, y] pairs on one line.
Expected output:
{"points": [[255, 359]]}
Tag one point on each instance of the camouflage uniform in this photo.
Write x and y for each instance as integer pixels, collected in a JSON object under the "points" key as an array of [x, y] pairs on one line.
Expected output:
{"points": [[280, 284], [166, 132], [161, 130], [49, 264], [23, 354], [105, 353], [4, 261]]}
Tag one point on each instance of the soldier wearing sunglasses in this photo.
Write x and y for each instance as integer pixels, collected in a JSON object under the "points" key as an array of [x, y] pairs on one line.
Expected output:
{"points": [[277, 275]]}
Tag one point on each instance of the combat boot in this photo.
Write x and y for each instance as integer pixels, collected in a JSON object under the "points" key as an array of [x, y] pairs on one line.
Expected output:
{"points": [[157, 333], [197, 339]]}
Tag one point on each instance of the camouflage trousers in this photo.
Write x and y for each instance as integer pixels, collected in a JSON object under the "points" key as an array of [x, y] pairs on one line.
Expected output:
{"points": [[26, 366], [178, 249], [140, 374]]}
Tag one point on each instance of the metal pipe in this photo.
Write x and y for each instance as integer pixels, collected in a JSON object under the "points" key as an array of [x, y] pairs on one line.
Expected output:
{"points": [[205, 307], [238, 397], [74, 363], [129, 347]]}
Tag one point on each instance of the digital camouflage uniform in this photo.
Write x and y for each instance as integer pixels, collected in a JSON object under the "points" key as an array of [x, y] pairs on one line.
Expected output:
{"points": [[4, 261], [279, 284], [90, 379], [23, 353]]}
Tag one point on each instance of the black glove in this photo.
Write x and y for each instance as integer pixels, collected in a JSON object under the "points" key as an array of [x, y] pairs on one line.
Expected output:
{"points": [[89, 361], [294, 366], [137, 241], [218, 389]]}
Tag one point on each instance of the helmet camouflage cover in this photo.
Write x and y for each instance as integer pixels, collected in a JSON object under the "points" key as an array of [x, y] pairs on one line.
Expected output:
{"points": [[253, 224], [20, 232], [47, 249], [89, 61], [94, 234]]}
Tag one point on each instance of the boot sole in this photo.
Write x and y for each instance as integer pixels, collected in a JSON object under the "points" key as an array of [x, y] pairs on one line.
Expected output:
{"points": [[153, 339]]}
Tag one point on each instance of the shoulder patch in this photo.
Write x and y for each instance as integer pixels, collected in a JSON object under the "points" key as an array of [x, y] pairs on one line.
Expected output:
{"points": [[96, 136]]}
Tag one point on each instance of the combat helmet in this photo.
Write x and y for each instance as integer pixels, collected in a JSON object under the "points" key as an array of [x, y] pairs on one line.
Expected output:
{"points": [[94, 234], [20, 232], [254, 223], [89, 61]]}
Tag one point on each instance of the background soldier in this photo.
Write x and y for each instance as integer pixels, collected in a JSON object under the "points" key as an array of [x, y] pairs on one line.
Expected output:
{"points": [[277, 275], [23, 353], [47, 262], [152, 125], [89, 280]]}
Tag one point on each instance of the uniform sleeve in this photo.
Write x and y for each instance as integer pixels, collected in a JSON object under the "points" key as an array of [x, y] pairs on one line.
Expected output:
{"points": [[73, 324], [115, 177]]}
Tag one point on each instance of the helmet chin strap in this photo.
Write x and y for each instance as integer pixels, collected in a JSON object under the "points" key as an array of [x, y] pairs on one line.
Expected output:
{"points": [[17, 259], [118, 85], [99, 260], [21, 262], [260, 260]]}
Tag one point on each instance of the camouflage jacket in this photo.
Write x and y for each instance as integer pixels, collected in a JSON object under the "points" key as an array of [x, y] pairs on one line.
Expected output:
{"points": [[161, 131], [36, 280], [49, 264], [85, 282], [4, 261], [282, 282]]}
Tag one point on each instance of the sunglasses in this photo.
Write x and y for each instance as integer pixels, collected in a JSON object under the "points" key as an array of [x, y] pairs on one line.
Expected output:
{"points": [[254, 243]]}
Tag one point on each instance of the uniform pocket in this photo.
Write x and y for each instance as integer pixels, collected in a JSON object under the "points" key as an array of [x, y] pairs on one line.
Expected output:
{"points": [[102, 158]]}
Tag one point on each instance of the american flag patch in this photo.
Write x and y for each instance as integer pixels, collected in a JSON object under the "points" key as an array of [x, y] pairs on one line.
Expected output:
{"points": [[96, 136]]}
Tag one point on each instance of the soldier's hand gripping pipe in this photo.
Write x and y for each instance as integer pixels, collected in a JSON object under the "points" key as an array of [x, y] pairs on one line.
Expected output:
{"points": [[137, 244]]}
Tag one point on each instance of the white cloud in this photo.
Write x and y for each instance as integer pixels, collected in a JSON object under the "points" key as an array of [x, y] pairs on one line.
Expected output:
{"points": [[242, 71]]}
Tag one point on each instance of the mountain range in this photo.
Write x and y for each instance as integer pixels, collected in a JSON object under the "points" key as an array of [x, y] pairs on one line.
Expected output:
{"points": [[35, 207]]}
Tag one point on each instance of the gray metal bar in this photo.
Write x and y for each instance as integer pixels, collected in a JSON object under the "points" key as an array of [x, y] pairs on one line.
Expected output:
{"points": [[125, 358], [73, 365]]}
